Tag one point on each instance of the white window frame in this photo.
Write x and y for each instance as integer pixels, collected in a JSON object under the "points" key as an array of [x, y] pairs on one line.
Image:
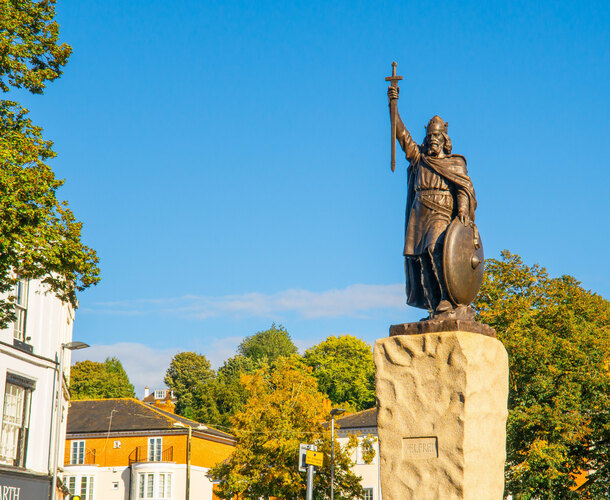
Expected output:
{"points": [[369, 493], [21, 309], [160, 394], [77, 453], [15, 424], [155, 449], [154, 485], [81, 485]]}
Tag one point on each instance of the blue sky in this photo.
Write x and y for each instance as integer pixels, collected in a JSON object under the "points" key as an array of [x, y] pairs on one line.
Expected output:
{"points": [[230, 160]]}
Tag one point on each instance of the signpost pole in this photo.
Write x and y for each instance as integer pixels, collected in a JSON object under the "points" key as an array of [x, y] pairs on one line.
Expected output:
{"points": [[310, 482]]}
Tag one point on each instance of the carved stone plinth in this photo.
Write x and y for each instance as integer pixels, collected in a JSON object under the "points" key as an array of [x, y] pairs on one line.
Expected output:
{"points": [[442, 409]]}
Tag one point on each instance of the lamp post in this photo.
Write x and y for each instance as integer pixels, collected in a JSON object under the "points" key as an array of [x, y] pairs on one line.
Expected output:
{"points": [[333, 412], [72, 346], [200, 427]]}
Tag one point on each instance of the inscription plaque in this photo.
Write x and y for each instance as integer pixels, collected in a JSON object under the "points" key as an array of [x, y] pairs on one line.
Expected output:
{"points": [[419, 447]]}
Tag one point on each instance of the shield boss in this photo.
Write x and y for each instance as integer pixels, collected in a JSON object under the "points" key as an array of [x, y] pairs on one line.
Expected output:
{"points": [[463, 262]]}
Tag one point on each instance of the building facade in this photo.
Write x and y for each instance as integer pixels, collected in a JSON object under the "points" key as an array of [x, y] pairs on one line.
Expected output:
{"points": [[165, 399], [361, 424], [30, 350], [124, 449]]}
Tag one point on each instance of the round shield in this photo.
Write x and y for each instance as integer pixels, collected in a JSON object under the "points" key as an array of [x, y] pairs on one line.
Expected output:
{"points": [[463, 262]]}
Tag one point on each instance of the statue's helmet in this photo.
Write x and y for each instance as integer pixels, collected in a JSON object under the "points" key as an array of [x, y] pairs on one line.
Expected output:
{"points": [[437, 125]]}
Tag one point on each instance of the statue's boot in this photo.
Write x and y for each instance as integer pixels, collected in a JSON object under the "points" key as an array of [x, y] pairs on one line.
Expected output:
{"points": [[443, 306]]}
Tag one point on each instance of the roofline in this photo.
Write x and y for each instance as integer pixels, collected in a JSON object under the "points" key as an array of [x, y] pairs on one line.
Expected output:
{"points": [[338, 425], [147, 432], [169, 417], [160, 410]]}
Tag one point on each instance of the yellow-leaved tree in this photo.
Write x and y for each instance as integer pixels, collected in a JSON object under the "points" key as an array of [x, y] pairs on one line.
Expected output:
{"points": [[283, 409]]}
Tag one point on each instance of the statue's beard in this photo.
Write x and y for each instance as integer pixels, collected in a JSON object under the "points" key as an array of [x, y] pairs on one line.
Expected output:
{"points": [[434, 149]]}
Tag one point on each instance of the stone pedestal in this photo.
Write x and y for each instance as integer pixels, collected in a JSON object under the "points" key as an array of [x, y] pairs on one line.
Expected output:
{"points": [[442, 409]]}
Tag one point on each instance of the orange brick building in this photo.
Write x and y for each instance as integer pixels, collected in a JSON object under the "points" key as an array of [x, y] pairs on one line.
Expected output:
{"points": [[123, 449]]}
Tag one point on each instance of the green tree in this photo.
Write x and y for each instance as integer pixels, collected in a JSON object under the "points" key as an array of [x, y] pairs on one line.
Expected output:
{"points": [[39, 236], [214, 398], [93, 380], [188, 375], [268, 345], [282, 410], [345, 371], [227, 391], [219, 399], [30, 52], [558, 338]]}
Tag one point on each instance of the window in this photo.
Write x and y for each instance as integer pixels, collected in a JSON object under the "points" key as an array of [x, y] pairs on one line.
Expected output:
{"points": [[159, 394], [365, 450], [157, 485], [155, 449], [81, 485], [21, 307], [15, 420], [368, 494], [77, 453]]}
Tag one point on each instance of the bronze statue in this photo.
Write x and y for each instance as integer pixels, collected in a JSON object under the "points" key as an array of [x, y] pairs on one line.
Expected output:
{"points": [[443, 251]]}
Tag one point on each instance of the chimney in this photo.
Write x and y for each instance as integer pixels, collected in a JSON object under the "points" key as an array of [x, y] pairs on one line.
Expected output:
{"points": [[146, 391]]}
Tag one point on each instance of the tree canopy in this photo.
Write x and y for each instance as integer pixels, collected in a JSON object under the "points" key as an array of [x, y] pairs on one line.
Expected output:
{"points": [[283, 409], [188, 375], [345, 371], [558, 338], [212, 397], [268, 345], [30, 52], [94, 380], [39, 236]]}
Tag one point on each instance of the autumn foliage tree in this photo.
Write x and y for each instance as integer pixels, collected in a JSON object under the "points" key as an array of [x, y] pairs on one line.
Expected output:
{"points": [[39, 236], [558, 338], [283, 409], [214, 397]]}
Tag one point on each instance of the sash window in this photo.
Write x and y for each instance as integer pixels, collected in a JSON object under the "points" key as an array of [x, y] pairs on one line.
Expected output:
{"points": [[15, 424]]}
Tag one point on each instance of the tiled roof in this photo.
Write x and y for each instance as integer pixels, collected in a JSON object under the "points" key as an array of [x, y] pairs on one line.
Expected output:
{"points": [[208, 430], [124, 414], [364, 418]]}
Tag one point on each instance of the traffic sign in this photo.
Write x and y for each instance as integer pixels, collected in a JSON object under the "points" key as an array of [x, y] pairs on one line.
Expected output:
{"points": [[314, 458], [302, 453]]}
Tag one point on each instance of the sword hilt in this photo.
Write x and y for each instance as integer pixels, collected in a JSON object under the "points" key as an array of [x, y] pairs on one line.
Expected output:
{"points": [[393, 79]]}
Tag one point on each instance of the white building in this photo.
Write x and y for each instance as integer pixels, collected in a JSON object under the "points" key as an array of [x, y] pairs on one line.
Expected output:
{"points": [[29, 363], [363, 423], [125, 449]]}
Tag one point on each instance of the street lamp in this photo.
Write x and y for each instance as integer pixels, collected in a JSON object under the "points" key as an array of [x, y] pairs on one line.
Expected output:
{"points": [[180, 425], [333, 412], [72, 346]]}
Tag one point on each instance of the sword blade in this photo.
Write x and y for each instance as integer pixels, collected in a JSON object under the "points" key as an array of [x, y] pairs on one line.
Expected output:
{"points": [[393, 125]]}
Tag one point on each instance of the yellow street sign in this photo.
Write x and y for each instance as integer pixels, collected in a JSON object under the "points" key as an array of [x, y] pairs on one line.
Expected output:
{"points": [[314, 458]]}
